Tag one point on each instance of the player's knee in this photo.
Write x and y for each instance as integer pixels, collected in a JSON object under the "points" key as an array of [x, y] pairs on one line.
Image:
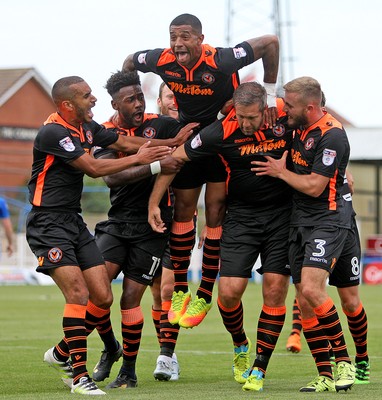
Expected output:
{"points": [[275, 296], [166, 292], [104, 300], [350, 305]]}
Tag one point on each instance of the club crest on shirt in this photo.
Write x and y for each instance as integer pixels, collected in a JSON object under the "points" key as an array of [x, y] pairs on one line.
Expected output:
{"points": [[55, 254], [196, 142], [328, 157], [309, 144], [89, 137], [239, 52], [278, 130], [67, 144], [149, 132], [208, 78], [142, 58]]}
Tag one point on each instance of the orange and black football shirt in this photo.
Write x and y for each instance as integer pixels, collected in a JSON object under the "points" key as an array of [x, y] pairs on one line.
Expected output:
{"points": [[55, 184], [202, 91], [324, 149], [129, 202], [245, 189]]}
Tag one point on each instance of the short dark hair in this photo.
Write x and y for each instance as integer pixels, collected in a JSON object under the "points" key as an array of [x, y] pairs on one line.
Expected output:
{"points": [[61, 89], [188, 19], [121, 79], [249, 93]]}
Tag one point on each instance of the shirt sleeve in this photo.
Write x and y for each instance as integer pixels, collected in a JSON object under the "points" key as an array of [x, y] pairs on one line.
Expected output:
{"points": [[55, 139], [147, 60], [103, 137], [206, 143], [231, 59], [330, 151]]}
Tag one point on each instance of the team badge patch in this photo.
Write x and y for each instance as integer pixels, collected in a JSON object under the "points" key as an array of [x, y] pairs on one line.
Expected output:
{"points": [[279, 130], [239, 52], [328, 157], [149, 133], [67, 144], [54, 254], [89, 137], [208, 78], [309, 144], [142, 58], [196, 142]]}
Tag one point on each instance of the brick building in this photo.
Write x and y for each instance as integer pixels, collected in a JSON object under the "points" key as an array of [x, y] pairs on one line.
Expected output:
{"points": [[25, 102]]}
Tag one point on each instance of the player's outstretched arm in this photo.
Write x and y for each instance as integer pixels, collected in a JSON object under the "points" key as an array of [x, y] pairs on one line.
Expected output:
{"points": [[128, 64], [162, 183], [267, 48], [100, 167]]}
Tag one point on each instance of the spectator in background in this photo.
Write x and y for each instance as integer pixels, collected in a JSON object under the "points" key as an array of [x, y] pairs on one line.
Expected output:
{"points": [[166, 102], [7, 224]]}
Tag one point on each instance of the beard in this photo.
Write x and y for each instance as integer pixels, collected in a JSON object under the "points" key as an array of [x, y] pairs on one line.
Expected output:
{"points": [[297, 121]]}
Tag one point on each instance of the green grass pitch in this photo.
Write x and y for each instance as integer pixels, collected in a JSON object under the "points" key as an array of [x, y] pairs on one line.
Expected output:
{"points": [[30, 323]]}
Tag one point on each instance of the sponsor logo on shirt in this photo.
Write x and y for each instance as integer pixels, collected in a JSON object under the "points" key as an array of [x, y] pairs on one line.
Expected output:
{"points": [[171, 73], [67, 144], [328, 157], [297, 159], [196, 142], [193, 90], [239, 52], [263, 147]]}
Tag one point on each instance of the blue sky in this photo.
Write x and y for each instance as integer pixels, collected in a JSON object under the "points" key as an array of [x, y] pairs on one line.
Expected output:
{"points": [[335, 41]]}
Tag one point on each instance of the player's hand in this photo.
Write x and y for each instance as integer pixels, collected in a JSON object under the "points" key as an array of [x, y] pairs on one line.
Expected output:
{"points": [[271, 167], [155, 220], [271, 116], [171, 165], [350, 179], [10, 250], [227, 107], [147, 155], [185, 133]]}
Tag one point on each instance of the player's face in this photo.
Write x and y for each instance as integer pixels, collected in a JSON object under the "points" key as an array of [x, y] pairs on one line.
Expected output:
{"points": [[250, 118], [167, 104], [295, 110], [186, 45], [82, 102], [130, 104]]}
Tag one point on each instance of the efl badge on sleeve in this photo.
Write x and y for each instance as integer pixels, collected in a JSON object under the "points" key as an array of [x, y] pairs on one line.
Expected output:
{"points": [[328, 157], [239, 52], [196, 142], [142, 58], [67, 144]]}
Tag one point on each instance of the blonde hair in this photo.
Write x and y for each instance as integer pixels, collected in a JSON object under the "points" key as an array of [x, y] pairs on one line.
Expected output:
{"points": [[309, 89]]}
